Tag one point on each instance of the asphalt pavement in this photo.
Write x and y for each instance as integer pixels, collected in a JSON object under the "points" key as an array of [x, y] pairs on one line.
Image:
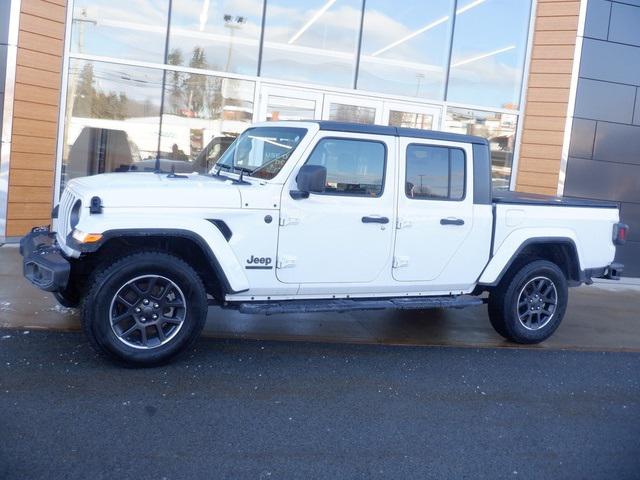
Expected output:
{"points": [[235, 409]]}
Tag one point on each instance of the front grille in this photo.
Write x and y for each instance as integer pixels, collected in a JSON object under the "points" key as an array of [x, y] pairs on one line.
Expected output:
{"points": [[66, 204]]}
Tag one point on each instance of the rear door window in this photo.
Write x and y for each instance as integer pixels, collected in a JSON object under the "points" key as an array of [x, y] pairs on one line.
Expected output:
{"points": [[435, 173]]}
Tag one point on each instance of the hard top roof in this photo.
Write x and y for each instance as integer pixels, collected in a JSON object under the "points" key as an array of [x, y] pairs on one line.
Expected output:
{"points": [[398, 132]]}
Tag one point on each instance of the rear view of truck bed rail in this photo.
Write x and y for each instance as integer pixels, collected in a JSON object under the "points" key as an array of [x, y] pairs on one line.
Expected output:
{"points": [[517, 198]]}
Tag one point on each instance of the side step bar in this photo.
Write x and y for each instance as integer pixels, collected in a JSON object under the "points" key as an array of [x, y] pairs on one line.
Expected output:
{"points": [[347, 305]]}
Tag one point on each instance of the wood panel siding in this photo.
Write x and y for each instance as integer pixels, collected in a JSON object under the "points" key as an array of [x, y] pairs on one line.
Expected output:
{"points": [[549, 137], [547, 96], [553, 80], [534, 122], [35, 194], [36, 106], [39, 60]]}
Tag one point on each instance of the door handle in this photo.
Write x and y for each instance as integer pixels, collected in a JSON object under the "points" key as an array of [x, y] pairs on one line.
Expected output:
{"points": [[375, 219], [451, 221]]}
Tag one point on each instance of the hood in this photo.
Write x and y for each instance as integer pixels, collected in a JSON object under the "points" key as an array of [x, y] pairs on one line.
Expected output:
{"points": [[157, 190]]}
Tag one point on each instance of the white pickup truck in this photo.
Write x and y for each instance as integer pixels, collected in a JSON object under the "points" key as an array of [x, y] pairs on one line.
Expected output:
{"points": [[315, 216]]}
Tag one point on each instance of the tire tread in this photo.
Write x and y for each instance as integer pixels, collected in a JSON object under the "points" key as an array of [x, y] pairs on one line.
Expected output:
{"points": [[100, 276], [501, 301]]}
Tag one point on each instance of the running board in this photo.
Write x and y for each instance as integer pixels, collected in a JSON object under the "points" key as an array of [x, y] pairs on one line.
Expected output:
{"points": [[352, 304]]}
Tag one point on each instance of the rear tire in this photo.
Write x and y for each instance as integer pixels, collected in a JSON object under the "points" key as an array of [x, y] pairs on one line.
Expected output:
{"points": [[144, 309], [529, 303]]}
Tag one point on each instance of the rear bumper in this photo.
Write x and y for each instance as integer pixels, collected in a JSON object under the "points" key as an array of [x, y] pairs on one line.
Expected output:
{"points": [[610, 272], [42, 260]]}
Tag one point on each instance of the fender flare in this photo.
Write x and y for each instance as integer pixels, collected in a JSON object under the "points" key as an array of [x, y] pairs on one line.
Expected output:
{"points": [[500, 263], [205, 233]]}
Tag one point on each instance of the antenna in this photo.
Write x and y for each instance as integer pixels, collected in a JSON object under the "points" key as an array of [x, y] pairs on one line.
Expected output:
{"points": [[173, 173]]}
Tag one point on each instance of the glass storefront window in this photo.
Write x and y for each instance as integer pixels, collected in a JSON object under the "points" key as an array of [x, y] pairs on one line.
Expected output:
{"points": [[112, 119], [221, 35], [202, 115], [405, 47], [402, 119], [352, 113], [489, 45], [313, 41], [120, 29], [498, 128], [286, 108]]}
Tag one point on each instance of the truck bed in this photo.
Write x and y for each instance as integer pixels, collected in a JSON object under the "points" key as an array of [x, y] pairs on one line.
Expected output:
{"points": [[586, 226]]}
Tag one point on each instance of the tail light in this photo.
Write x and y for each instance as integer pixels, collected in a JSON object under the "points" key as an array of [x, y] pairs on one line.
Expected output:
{"points": [[620, 233]]}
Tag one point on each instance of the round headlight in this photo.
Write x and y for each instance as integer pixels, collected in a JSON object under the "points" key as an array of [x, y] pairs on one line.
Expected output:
{"points": [[74, 216]]}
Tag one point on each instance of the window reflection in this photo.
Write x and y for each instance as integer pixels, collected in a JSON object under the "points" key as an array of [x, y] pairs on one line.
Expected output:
{"points": [[352, 113], [113, 116], [313, 41], [202, 115], [261, 152], [399, 118], [131, 29], [287, 108], [498, 128], [405, 47], [434, 173], [489, 44], [219, 35], [354, 167]]}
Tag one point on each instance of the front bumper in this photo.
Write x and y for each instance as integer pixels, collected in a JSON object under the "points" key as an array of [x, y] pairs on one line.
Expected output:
{"points": [[42, 260]]}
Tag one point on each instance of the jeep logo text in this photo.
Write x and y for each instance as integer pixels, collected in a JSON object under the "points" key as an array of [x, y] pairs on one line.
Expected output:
{"points": [[266, 261]]}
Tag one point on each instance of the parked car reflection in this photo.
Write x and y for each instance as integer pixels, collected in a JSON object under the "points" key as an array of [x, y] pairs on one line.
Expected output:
{"points": [[102, 150]]}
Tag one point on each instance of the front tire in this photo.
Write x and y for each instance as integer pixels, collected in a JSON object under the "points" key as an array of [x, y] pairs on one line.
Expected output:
{"points": [[144, 309], [528, 304], [67, 299]]}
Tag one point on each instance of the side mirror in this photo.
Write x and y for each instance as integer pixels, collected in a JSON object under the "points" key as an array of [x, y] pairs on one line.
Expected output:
{"points": [[310, 179]]}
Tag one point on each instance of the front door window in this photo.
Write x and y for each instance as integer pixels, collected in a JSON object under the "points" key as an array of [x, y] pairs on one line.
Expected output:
{"points": [[354, 167]]}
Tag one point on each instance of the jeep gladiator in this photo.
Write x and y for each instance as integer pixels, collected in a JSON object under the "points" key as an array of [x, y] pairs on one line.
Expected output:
{"points": [[315, 216]]}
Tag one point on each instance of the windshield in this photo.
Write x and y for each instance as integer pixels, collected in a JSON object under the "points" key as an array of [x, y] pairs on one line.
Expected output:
{"points": [[261, 152]]}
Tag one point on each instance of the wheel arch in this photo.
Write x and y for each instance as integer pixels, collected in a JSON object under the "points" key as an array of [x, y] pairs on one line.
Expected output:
{"points": [[217, 267], [561, 251]]}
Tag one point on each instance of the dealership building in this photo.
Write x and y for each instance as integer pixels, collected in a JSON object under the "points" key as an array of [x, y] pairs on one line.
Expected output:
{"points": [[91, 86]]}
